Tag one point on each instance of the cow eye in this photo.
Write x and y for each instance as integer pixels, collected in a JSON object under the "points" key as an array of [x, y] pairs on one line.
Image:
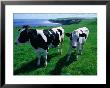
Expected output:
{"points": [[70, 37]]}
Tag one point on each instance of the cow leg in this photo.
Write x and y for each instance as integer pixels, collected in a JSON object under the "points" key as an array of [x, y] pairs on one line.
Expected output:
{"points": [[60, 49], [38, 57], [45, 56], [62, 39], [69, 53], [81, 48], [61, 46], [78, 51], [38, 62]]}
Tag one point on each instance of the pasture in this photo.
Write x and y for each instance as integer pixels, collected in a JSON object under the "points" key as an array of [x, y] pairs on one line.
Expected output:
{"points": [[25, 55]]}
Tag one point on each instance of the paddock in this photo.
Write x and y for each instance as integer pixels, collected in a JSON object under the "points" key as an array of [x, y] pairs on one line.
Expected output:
{"points": [[25, 56]]}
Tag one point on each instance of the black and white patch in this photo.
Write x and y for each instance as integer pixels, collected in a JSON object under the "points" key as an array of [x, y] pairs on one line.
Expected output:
{"points": [[41, 39], [77, 39]]}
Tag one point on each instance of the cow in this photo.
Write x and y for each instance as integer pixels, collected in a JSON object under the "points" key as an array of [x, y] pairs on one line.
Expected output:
{"points": [[77, 39], [42, 40]]}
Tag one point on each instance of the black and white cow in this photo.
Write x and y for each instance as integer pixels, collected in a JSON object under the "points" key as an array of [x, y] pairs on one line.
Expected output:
{"points": [[77, 39], [41, 40]]}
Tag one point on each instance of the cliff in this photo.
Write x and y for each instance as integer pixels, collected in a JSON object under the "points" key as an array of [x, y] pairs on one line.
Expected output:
{"points": [[65, 21]]}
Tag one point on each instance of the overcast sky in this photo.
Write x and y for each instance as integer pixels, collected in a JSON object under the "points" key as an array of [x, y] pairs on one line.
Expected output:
{"points": [[52, 16]]}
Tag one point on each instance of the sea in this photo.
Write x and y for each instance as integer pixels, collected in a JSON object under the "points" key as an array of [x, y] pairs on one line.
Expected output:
{"points": [[34, 22]]}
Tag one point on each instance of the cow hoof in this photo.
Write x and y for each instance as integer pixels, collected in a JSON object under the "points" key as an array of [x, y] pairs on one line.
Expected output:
{"points": [[77, 57], [38, 64], [45, 64], [67, 59]]}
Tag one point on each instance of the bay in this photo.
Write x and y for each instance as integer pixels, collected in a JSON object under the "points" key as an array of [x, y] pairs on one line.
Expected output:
{"points": [[34, 22]]}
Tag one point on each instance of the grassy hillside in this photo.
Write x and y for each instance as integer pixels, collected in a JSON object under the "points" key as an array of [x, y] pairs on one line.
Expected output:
{"points": [[25, 56]]}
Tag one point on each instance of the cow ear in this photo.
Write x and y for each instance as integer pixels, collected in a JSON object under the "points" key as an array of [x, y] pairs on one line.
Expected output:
{"points": [[19, 29], [23, 26], [27, 26], [68, 34]]}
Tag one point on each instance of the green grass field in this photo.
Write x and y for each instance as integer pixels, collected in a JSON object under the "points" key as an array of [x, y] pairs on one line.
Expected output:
{"points": [[25, 56]]}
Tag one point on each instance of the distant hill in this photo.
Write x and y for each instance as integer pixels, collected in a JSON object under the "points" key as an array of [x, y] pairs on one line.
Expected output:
{"points": [[65, 21]]}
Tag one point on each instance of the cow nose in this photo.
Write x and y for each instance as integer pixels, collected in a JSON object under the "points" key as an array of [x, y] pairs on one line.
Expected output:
{"points": [[73, 46]]}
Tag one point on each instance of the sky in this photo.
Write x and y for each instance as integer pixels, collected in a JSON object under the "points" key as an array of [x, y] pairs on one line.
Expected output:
{"points": [[52, 15]]}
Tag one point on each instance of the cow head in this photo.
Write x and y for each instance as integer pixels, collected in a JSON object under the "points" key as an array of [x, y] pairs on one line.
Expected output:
{"points": [[23, 35], [74, 38]]}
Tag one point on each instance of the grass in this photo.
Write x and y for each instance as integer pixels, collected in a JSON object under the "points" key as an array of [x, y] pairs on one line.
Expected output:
{"points": [[25, 56]]}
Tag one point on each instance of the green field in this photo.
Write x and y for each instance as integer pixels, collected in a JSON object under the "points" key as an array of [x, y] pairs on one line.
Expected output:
{"points": [[25, 56]]}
